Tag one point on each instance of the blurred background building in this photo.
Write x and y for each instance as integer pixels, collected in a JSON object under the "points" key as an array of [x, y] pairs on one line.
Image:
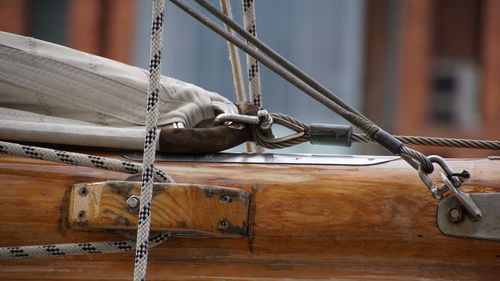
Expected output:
{"points": [[416, 67]]}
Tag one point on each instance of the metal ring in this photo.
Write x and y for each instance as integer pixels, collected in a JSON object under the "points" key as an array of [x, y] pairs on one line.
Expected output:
{"points": [[429, 184], [436, 191], [238, 118], [457, 182]]}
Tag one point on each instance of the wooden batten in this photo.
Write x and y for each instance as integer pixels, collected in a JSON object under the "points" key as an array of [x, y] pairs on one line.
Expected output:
{"points": [[187, 208]]}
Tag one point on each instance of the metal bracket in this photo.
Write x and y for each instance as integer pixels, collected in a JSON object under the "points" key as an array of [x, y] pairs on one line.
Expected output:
{"points": [[208, 210], [454, 220]]}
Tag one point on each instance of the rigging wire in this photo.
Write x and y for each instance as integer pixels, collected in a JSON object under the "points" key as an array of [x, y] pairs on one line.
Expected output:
{"points": [[329, 100], [302, 136]]}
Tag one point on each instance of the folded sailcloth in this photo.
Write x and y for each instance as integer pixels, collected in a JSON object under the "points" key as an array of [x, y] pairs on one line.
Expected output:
{"points": [[54, 94]]}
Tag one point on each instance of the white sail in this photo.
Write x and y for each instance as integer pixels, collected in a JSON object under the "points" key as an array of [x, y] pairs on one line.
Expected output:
{"points": [[70, 91]]}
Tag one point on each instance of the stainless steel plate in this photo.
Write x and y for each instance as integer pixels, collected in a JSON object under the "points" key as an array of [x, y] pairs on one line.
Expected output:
{"points": [[269, 158], [488, 227]]}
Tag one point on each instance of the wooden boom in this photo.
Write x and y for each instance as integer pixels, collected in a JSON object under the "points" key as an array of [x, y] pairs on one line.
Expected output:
{"points": [[305, 222]]}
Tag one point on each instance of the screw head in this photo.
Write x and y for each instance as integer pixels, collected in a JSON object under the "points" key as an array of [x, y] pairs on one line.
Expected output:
{"points": [[81, 215], [226, 199], [455, 214], [223, 224], [83, 191]]}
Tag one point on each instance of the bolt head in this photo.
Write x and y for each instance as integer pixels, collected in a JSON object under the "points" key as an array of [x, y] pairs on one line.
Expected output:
{"points": [[81, 215], [83, 191], [226, 199], [223, 224], [455, 214], [133, 202]]}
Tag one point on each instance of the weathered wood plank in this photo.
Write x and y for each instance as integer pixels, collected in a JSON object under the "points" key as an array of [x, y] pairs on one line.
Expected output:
{"points": [[203, 209]]}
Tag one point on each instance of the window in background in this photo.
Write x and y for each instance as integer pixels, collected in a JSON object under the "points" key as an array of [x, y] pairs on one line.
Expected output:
{"points": [[455, 68]]}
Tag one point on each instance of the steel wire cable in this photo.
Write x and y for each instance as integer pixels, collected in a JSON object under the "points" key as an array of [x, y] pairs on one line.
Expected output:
{"points": [[436, 141], [329, 100], [362, 138]]}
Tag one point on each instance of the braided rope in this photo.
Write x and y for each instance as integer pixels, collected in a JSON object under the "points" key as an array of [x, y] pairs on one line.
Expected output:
{"points": [[234, 58], [84, 248], [252, 64], [144, 220], [77, 159]]}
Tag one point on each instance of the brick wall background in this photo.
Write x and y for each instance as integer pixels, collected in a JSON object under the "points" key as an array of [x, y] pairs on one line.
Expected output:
{"points": [[101, 27]]}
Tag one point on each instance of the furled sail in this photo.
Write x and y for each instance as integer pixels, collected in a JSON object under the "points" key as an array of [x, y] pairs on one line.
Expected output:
{"points": [[51, 93]]}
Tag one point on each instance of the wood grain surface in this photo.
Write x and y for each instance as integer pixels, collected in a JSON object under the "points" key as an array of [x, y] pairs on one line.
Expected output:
{"points": [[307, 222], [194, 208]]}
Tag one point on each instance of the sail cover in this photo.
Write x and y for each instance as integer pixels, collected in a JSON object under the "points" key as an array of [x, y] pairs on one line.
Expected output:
{"points": [[51, 93]]}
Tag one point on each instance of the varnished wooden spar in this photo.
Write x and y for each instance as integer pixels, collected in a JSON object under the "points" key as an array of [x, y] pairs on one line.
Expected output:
{"points": [[306, 222]]}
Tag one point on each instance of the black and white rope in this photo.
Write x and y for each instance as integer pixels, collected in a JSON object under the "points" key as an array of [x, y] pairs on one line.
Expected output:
{"points": [[254, 87], [234, 58], [83, 248], [144, 220], [77, 159], [252, 64]]}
